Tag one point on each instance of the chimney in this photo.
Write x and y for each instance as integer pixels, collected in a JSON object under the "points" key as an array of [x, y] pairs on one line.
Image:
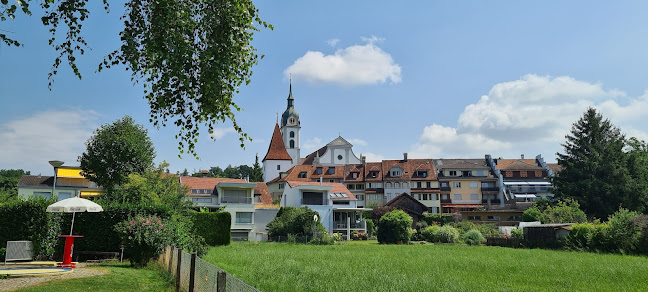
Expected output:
{"points": [[247, 178], [405, 156], [522, 156], [321, 179], [204, 173]]}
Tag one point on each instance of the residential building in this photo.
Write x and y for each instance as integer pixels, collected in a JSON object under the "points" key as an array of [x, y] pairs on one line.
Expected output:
{"points": [[69, 183], [525, 180], [466, 184], [409, 205], [354, 181], [277, 160], [374, 187]]}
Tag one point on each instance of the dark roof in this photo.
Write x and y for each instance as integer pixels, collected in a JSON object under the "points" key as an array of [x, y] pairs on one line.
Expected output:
{"points": [[555, 168], [311, 157], [205, 183], [277, 148], [36, 181], [461, 164], [396, 202]]}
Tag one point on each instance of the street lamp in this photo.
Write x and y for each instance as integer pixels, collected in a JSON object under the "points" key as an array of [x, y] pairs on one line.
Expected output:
{"points": [[56, 164]]}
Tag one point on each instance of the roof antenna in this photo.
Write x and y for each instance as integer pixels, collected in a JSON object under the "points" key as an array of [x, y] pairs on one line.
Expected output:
{"points": [[277, 117]]}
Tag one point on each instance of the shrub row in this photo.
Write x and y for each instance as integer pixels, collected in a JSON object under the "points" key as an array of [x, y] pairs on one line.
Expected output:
{"points": [[213, 227], [625, 232]]}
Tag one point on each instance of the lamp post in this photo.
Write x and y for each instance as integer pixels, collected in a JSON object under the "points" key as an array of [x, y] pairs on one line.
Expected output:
{"points": [[56, 164]]}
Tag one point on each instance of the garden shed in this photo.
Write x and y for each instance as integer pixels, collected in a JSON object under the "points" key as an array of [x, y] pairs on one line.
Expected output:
{"points": [[546, 235]]}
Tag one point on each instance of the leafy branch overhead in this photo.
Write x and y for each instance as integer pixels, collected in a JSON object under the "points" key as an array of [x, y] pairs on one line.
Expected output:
{"points": [[191, 56]]}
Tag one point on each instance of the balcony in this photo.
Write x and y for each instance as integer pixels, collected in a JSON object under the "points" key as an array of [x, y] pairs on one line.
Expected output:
{"points": [[492, 201], [236, 200], [446, 201], [354, 225], [312, 201], [445, 189], [490, 189]]}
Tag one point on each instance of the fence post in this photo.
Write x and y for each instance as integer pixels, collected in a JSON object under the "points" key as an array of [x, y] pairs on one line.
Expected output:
{"points": [[178, 269], [170, 260], [221, 286], [192, 272]]}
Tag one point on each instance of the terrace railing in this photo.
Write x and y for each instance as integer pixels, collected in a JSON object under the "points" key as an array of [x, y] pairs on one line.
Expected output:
{"points": [[236, 200], [354, 225]]}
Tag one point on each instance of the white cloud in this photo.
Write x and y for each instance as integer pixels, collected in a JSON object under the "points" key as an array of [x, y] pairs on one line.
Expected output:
{"points": [[219, 133], [532, 115], [373, 157], [333, 42], [358, 142], [29, 143], [354, 65], [311, 145]]}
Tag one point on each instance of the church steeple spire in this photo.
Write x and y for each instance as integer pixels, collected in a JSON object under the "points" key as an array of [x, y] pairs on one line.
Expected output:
{"points": [[290, 97]]}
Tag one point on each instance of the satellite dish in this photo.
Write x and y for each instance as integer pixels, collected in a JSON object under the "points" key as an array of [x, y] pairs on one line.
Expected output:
{"points": [[315, 218]]}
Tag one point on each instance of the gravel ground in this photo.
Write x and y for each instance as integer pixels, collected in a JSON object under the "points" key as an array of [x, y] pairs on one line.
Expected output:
{"points": [[14, 283]]}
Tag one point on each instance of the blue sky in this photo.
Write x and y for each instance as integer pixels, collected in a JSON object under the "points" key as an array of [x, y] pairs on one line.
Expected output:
{"points": [[436, 79]]}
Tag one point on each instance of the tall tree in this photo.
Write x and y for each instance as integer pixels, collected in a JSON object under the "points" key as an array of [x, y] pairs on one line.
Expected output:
{"points": [[9, 183], [115, 151], [256, 174], [191, 55], [594, 170], [637, 162]]}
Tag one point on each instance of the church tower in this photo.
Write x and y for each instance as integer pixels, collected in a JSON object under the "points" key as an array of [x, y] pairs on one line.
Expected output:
{"points": [[290, 126], [277, 160]]}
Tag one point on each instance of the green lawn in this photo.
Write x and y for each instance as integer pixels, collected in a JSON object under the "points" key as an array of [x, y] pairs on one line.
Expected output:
{"points": [[372, 267], [120, 277]]}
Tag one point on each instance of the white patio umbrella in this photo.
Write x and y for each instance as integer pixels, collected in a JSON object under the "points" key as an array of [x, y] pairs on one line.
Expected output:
{"points": [[73, 205]]}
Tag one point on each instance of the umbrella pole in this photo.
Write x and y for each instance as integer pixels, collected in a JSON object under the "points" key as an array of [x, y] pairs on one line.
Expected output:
{"points": [[71, 227]]}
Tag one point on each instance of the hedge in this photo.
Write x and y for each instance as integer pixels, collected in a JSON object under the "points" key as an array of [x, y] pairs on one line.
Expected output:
{"points": [[213, 227], [394, 227]]}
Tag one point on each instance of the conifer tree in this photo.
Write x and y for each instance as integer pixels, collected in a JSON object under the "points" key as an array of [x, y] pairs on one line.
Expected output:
{"points": [[256, 174], [594, 166]]}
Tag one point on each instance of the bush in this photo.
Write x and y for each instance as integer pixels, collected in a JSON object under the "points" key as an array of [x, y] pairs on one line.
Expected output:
{"points": [[563, 211], [295, 221], [430, 233], [370, 227], [323, 239], [432, 218], [464, 226], [394, 227], [473, 237], [488, 229], [623, 235], [641, 224], [580, 237], [531, 215], [517, 233], [447, 234], [214, 227], [144, 237]]}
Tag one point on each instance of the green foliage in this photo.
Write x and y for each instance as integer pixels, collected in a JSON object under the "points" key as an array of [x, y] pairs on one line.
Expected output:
{"points": [[8, 183], [640, 223], [561, 211], [27, 220], [378, 212], [464, 226], [473, 237], [447, 234], [191, 63], [488, 229], [323, 239], [214, 227], [622, 233], [431, 218], [296, 222], [517, 233], [143, 237], [430, 233], [394, 227], [370, 227], [257, 172], [115, 151], [597, 172]]}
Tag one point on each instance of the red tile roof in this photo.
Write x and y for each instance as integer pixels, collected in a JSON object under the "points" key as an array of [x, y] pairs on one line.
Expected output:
{"points": [[262, 189], [409, 167], [310, 175], [277, 148], [518, 164], [205, 183], [349, 169], [373, 167]]}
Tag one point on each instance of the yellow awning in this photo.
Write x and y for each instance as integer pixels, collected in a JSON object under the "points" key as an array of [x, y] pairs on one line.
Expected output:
{"points": [[69, 172], [91, 193]]}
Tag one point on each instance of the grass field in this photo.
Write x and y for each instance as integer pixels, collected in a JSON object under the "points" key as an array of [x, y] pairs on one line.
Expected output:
{"points": [[120, 277], [368, 266]]}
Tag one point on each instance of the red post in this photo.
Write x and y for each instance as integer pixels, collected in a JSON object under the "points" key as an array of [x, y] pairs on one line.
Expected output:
{"points": [[67, 252]]}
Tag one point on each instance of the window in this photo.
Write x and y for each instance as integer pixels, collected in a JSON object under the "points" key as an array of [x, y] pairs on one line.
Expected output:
{"points": [[339, 157], [360, 187], [405, 185], [456, 184], [202, 200], [257, 198], [351, 186], [474, 197], [360, 197], [444, 184], [396, 185], [473, 185], [479, 173], [428, 185], [426, 197], [421, 173], [354, 175], [302, 174], [281, 186], [318, 170], [434, 197], [445, 197], [514, 218], [474, 218], [331, 180], [278, 167], [457, 197], [373, 174], [466, 173], [292, 134], [331, 170], [63, 196], [434, 210], [523, 173], [453, 173], [292, 143], [388, 185], [493, 218], [538, 174], [375, 197], [509, 174], [243, 217]]}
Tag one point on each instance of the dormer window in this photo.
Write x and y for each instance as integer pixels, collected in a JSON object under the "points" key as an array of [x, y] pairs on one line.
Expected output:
{"points": [[354, 175], [331, 170], [466, 173], [373, 174], [421, 173], [318, 170], [395, 172], [453, 173], [302, 174]]}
